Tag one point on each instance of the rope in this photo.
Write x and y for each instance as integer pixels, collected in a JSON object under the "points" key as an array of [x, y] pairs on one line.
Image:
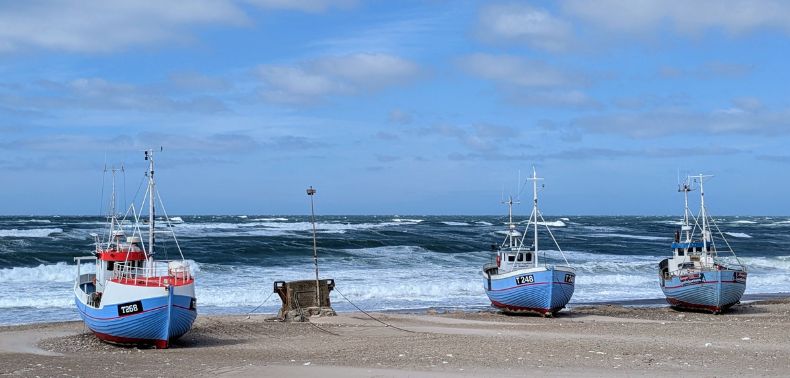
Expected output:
{"points": [[301, 312], [371, 316], [259, 306]]}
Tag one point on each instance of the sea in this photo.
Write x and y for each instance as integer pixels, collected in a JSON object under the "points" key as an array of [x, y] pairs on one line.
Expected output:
{"points": [[379, 263]]}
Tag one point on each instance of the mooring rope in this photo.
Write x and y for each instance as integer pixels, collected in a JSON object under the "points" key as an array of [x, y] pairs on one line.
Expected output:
{"points": [[259, 306], [371, 316], [301, 312]]}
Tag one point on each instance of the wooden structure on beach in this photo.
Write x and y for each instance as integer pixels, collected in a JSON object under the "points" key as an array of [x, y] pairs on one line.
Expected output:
{"points": [[299, 299]]}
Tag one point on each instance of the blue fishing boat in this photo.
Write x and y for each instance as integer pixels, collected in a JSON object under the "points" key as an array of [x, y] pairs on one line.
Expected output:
{"points": [[699, 276], [131, 298], [523, 279]]}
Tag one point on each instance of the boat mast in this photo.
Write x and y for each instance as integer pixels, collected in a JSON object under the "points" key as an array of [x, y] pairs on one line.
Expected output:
{"points": [[686, 188], [149, 156], [706, 234], [534, 180]]}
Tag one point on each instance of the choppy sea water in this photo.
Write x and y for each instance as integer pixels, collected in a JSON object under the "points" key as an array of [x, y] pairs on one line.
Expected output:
{"points": [[379, 262]]}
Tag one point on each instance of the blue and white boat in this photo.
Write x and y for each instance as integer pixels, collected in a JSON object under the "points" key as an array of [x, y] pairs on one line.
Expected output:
{"points": [[131, 298], [699, 276], [521, 279]]}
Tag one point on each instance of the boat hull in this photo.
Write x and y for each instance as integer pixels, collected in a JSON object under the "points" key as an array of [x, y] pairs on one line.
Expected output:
{"points": [[713, 291], [542, 291], [150, 320]]}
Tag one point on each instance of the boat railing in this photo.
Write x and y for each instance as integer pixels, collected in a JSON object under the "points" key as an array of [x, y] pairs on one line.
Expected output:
{"points": [[153, 273]]}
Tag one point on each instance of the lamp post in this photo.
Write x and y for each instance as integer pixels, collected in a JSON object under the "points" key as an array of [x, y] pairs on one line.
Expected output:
{"points": [[311, 193]]}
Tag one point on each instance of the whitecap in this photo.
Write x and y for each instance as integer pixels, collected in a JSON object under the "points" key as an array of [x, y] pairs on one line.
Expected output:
{"points": [[739, 235], [407, 220], [483, 223], [30, 233], [627, 236], [450, 223]]}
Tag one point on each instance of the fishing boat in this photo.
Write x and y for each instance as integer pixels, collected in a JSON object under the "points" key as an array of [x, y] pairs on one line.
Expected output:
{"points": [[522, 278], [700, 276], [133, 298]]}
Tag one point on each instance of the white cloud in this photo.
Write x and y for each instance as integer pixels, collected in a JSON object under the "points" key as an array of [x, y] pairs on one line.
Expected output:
{"points": [[688, 17], [90, 26], [348, 74], [515, 71], [522, 23], [100, 94], [749, 120], [102, 26]]}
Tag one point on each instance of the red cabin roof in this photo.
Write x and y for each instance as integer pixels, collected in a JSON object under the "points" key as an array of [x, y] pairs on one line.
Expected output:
{"points": [[113, 255]]}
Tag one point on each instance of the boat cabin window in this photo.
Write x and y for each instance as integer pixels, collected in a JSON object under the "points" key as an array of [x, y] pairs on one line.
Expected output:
{"points": [[511, 258], [529, 257], [110, 265], [680, 252]]}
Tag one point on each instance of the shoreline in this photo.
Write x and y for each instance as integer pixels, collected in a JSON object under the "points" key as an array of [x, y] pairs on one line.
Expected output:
{"points": [[647, 302], [601, 340]]}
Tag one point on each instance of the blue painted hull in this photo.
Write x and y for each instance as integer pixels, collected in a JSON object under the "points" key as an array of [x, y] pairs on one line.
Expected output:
{"points": [[548, 292], [160, 320], [713, 291]]}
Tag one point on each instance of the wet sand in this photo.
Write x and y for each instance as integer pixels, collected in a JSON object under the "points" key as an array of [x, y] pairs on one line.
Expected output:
{"points": [[751, 339]]}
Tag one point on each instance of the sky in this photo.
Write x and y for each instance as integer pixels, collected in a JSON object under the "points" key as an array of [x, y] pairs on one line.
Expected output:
{"points": [[395, 107]]}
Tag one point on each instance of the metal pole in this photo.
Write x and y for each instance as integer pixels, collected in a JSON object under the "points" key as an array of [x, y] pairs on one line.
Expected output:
{"points": [[149, 155], [311, 193]]}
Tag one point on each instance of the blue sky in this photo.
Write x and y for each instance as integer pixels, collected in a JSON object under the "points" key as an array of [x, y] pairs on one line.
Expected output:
{"points": [[425, 107]]}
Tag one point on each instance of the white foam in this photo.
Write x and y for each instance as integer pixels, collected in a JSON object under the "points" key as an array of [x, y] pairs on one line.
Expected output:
{"points": [[483, 223], [557, 223], [30, 233], [243, 216], [739, 235], [269, 219], [449, 223], [565, 219], [60, 272], [744, 222], [626, 236], [408, 220]]}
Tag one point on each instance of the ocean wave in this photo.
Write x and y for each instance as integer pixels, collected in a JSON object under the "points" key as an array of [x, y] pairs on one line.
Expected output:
{"points": [[30, 233], [60, 272], [483, 223], [34, 221], [744, 222], [452, 223], [270, 219], [739, 235], [407, 220], [627, 236], [557, 223]]}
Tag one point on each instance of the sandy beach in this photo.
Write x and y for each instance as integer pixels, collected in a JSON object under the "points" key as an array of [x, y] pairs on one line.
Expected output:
{"points": [[752, 339]]}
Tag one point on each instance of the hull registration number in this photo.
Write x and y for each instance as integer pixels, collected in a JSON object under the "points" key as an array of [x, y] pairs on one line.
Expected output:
{"points": [[520, 280], [130, 308]]}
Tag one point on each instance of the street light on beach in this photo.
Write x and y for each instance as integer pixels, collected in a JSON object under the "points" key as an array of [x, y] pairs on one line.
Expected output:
{"points": [[311, 192]]}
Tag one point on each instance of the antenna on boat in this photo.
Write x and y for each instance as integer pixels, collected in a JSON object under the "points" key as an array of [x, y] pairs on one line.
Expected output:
{"points": [[149, 156], [685, 188], [310, 193]]}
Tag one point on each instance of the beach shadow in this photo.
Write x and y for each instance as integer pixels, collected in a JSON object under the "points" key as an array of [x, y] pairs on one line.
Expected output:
{"points": [[203, 341]]}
